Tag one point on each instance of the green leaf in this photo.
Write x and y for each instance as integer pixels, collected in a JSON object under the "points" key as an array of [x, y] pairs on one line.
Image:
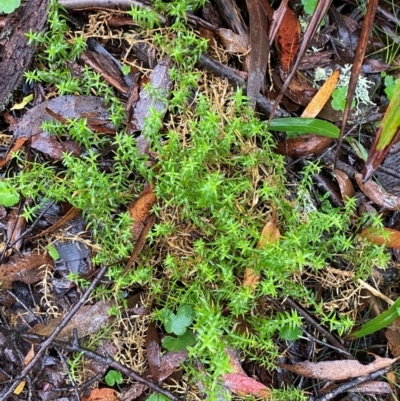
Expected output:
{"points": [[309, 6], [179, 343], [8, 6], [180, 322], [157, 397], [383, 320], [298, 125], [8, 195], [290, 333], [53, 252], [126, 69], [112, 377]]}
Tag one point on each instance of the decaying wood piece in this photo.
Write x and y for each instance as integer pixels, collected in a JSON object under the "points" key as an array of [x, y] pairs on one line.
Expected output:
{"points": [[15, 52]]}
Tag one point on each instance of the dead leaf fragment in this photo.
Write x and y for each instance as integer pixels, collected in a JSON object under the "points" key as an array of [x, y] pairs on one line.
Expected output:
{"points": [[303, 145], [345, 185], [322, 96], [232, 42], [140, 210], [338, 370], [102, 394], [28, 268], [378, 194], [88, 320], [17, 146], [391, 241], [244, 385]]}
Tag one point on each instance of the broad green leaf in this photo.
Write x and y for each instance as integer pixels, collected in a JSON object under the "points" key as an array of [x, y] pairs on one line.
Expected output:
{"points": [[8, 195], [8, 6], [179, 343], [53, 252], [112, 377], [383, 320], [178, 323], [290, 333], [295, 126], [157, 397]]}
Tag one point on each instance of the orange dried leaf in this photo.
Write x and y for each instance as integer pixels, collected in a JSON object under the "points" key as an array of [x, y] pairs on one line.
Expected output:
{"points": [[102, 394], [17, 146], [338, 370], [140, 210], [269, 235], [392, 240], [244, 385], [322, 96]]}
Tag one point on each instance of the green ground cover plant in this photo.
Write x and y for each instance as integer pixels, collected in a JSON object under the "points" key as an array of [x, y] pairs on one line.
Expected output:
{"points": [[217, 181]]}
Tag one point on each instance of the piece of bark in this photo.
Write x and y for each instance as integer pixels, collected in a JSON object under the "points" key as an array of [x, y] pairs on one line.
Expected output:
{"points": [[15, 52]]}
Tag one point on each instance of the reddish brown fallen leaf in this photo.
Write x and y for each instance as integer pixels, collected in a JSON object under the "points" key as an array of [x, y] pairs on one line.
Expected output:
{"points": [[28, 268], [88, 320], [390, 240], [322, 96], [303, 145], [269, 234], [345, 185], [288, 39], [17, 146], [377, 194], [338, 370], [16, 225], [243, 385], [234, 362], [374, 387], [101, 394], [170, 362], [153, 351], [140, 210], [27, 359], [232, 42]]}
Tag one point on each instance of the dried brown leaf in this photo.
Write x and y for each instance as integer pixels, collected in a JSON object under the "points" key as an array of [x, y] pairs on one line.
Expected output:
{"points": [[338, 370], [243, 385], [140, 210], [303, 145], [390, 240], [345, 185], [377, 194], [102, 394], [88, 320], [232, 42], [28, 268]]}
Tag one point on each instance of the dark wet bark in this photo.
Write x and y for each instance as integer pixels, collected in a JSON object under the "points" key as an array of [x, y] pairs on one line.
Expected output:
{"points": [[15, 52]]}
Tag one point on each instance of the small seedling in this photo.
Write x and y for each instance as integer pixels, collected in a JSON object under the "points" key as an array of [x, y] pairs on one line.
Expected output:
{"points": [[113, 377], [390, 84], [177, 323], [8, 195]]}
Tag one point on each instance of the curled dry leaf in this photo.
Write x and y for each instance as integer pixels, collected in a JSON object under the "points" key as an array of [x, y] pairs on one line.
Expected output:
{"points": [[28, 268], [373, 387], [17, 146], [378, 194], [391, 238], [345, 185], [303, 145], [140, 210], [244, 385], [338, 370], [88, 320], [392, 335], [232, 42]]}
